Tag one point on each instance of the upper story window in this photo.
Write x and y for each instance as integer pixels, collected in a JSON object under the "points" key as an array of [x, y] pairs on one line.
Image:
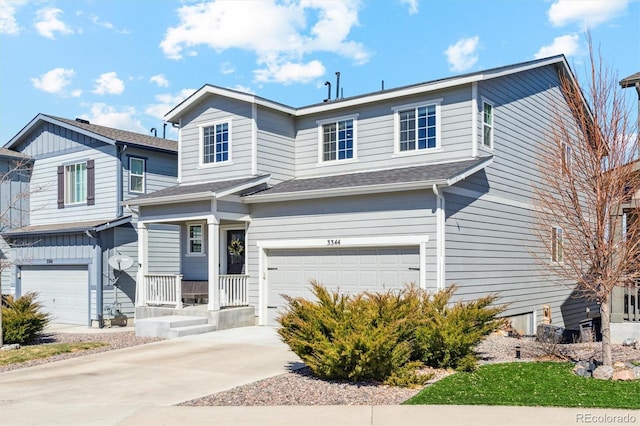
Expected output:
{"points": [[195, 239], [487, 124], [215, 142], [137, 175], [417, 127], [557, 244], [337, 139], [75, 182]]}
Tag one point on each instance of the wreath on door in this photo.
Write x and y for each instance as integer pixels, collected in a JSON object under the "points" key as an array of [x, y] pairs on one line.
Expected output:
{"points": [[235, 247]]}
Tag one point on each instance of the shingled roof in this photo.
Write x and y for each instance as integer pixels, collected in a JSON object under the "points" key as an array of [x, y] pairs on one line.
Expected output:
{"points": [[379, 180], [124, 136], [630, 81]]}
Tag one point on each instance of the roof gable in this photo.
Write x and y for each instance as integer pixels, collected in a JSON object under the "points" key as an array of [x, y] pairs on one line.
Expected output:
{"points": [[104, 134]]}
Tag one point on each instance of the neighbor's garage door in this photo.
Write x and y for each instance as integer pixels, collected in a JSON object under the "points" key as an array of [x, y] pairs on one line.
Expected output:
{"points": [[62, 290], [352, 270]]}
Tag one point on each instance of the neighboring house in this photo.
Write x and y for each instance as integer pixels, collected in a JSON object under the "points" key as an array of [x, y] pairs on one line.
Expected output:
{"points": [[625, 309], [81, 174], [429, 183]]}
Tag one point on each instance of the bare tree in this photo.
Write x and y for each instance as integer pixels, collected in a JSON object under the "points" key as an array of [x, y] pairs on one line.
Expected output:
{"points": [[15, 171], [588, 173]]}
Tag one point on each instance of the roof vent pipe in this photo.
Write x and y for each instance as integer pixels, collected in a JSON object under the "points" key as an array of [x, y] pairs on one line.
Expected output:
{"points": [[164, 130], [328, 84], [154, 131], [382, 84], [337, 84]]}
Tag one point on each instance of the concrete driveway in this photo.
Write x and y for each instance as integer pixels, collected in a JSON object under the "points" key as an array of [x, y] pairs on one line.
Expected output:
{"points": [[106, 388]]}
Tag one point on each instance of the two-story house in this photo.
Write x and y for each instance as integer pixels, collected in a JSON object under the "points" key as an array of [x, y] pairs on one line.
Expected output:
{"points": [[429, 183], [76, 222]]}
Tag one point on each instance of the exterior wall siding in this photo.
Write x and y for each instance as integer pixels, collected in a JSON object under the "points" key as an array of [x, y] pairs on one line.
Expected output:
{"points": [[276, 147], [375, 136], [161, 171], [217, 109]]}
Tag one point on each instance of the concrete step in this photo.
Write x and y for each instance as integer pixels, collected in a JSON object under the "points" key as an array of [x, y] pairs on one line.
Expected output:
{"points": [[190, 330], [163, 326]]}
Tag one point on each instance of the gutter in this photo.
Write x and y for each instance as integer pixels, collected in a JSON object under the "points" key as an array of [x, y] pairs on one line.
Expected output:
{"points": [[440, 237]]}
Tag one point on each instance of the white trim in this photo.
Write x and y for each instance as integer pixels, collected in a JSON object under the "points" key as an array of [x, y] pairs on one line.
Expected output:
{"points": [[462, 176], [396, 126], [493, 123], [440, 238], [173, 218], [179, 151], [254, 139], [336, 120], [203, 239], [144, 175], [349, 242], [474, 119], [229, 161]]}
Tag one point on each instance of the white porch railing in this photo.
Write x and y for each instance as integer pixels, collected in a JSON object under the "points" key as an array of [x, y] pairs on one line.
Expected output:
{"points": [[233, 290], [162, 290]]}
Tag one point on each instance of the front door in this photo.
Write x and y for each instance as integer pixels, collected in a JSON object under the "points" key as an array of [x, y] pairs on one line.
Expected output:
{"points": [[235, 252]]}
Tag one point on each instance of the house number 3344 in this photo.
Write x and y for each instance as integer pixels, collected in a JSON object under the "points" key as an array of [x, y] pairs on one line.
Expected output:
{"points": [[333, 242]]}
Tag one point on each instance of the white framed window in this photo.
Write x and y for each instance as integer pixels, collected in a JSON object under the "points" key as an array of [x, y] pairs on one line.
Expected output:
{"points": [[337, 139], [75, 183], [487, 124], [215, 143], [557, 244], [567, 158], [137, 181], [195, 238], [417, 127]]}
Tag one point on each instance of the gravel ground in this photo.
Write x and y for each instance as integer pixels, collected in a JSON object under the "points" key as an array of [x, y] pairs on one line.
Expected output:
{"points": [[301, 388], [116, 340]]}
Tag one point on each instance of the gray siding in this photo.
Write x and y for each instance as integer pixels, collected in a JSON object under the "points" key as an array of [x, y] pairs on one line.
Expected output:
{"points": [[161, 170], [194, 266], [407, 213], [216, 109], [276, 149], [375, 135]]}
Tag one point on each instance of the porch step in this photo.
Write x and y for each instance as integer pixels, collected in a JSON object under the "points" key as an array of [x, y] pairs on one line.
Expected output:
{"points": [[172, 326]]}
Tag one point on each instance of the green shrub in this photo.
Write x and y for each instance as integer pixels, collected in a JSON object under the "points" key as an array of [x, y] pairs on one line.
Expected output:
{"points": [[384, 336], [447, 337], [22, 319]]}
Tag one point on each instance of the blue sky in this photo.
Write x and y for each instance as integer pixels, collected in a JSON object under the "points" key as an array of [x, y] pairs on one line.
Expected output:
{"points": [[126, 63]]}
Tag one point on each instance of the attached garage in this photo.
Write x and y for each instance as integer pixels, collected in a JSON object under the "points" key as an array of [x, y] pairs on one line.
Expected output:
{"points": [[63, 291], [352, 270]]}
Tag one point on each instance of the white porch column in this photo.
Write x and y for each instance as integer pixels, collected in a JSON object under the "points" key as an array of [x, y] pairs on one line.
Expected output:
{"points": [[143, 267], [213, 248]]}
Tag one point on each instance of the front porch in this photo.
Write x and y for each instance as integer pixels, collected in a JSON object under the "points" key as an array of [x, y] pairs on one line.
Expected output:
{"points": [[625, 314]]}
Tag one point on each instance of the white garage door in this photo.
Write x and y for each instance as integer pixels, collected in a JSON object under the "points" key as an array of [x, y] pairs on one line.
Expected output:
{"points": [[62, 291], [350, 270]]}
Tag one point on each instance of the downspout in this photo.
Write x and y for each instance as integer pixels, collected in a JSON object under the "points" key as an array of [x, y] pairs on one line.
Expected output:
{"points": [[98, 269], [440, 237], [119, 179]]}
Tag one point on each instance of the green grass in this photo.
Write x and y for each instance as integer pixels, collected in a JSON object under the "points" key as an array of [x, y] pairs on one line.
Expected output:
{"points": [[545, 384], [29, 353]]}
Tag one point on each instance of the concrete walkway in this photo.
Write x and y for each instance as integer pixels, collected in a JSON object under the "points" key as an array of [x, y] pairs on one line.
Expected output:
{"points": [[141, 385]]}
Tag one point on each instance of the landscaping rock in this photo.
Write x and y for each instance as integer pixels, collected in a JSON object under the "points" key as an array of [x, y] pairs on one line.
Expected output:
{"points": [[11, 347], [604, 372], [624, 375], [629, 342], [581, 371], [636, 372]]}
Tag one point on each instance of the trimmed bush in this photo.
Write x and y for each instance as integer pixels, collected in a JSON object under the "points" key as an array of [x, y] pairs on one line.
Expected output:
{"points": [[384, 336], [22, 319]]}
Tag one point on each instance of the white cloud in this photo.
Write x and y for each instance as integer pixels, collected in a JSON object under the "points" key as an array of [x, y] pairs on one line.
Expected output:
{"points": [[279, 34], [226, 68], [47, 23], [54, 81], [106, 24], [413, 5], [462, 55], [160, 80], [567, 45], [289, 72], [166, 102], [587, 13], [243, 89], [106, 115], [109, 84], [8, 10]]}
